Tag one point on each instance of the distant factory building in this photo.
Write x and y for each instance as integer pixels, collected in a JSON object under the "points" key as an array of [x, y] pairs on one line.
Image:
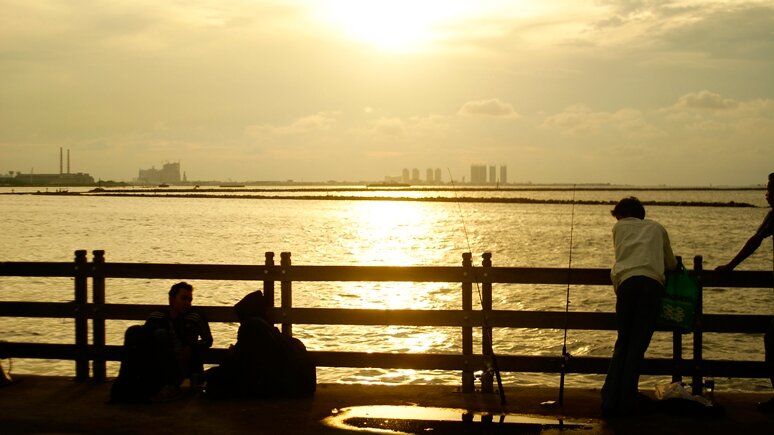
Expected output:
{"points": [[60, 179], [169, 174]]}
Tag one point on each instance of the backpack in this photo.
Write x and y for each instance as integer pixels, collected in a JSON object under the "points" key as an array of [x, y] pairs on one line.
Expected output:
{"points": [[137, 379], [300, 372], [263, 363]]}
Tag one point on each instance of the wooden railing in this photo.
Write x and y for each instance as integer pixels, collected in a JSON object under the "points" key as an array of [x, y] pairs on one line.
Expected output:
{"points": [[466, 318]]}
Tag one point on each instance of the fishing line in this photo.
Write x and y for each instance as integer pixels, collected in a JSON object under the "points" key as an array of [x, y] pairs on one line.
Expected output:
{"points": [[565, 355], [487, 330]]}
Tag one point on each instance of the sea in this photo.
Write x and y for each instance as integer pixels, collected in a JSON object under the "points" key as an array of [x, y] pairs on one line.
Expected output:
{"points": [[567, 227]]}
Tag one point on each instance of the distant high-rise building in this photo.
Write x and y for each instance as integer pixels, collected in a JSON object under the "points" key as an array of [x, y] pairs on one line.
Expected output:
{"points": [[406, 177], [430, 176], [492, 174], [503, 174], [415, 175], [478, 174], [438, 176]]}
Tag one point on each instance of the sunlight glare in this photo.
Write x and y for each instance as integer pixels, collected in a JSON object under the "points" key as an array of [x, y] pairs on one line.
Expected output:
{"points": [[393, 25]]}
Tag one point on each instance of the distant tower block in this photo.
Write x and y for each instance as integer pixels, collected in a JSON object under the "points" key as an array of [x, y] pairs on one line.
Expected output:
{"points": [[503, 174], [492, 174], [429, 176], [438, 176], [478, 174], [405, 174], [415, 174]]}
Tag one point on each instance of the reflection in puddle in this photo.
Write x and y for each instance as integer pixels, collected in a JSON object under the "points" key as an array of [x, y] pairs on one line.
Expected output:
{"points": [[436, 421]]}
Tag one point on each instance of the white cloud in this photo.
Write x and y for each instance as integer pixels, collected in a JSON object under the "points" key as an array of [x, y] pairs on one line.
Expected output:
{"points": [[705, 100], [318, 122], [488, 108]]}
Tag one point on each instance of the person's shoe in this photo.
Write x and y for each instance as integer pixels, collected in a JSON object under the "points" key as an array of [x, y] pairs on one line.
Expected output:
{"points": [[766, 406], [167, 393]]}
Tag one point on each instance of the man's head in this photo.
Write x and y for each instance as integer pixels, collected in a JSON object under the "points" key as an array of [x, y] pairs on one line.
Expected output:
{"points": [[770, 190], [180, 298], [628, 207]]}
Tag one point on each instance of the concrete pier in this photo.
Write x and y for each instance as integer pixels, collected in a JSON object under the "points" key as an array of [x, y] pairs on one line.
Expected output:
{"points": [[39, 404]]}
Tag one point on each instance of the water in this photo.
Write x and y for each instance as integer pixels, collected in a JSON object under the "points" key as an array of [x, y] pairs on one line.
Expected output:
{"points": [[161, 229]]}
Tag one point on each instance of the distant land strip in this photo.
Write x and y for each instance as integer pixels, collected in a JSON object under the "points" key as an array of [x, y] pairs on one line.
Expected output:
{"points": [[466, 199]]}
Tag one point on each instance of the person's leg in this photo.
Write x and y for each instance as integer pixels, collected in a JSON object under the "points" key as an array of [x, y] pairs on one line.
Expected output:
{"points": [[768, 348], [624, 313], [647, 303]]}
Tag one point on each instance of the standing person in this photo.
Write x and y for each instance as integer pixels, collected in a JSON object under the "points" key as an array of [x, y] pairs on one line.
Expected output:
{"points": [[766, 229], [642, 254]]}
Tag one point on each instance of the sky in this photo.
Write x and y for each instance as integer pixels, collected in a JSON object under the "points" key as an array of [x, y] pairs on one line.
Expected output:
{"points": [[645, 92]]}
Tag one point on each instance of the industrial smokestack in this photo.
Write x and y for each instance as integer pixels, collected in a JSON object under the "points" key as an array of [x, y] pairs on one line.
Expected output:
{"points": [[60, 160]]}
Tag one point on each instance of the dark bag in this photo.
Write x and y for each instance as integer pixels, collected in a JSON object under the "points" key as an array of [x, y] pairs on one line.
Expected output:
{"points": [[678, 306], [137, 380], [300, 374], [263, 363]]}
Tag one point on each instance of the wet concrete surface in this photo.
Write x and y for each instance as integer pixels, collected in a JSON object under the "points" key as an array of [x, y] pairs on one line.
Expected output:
{"points": [[40, 404]]}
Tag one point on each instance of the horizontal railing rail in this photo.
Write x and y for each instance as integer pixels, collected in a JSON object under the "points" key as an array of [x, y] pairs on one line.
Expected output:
{"points": [[466, 318]]}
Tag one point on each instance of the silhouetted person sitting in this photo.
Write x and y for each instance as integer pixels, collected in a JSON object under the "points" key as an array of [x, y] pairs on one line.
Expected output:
{"points": [[168, 348], [263, 362]]}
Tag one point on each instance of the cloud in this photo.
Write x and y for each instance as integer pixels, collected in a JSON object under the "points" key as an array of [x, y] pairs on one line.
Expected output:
{"points": [[705, 100], [488, 108], [581, 119], [318, 122], [388, 126]]}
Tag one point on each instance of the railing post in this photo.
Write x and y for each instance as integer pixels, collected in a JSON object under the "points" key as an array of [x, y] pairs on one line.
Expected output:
{"points": [[467, 331], [677, 347], [81, 323], [677, 356], [698, 364], [286, 290], [98, 369], [486, 331], [268, 288]]}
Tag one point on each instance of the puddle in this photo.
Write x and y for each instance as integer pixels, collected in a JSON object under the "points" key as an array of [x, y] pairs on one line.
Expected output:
{"points": [[437, 421]]}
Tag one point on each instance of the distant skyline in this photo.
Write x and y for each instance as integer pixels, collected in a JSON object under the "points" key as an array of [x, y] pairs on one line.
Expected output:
{"points": [[640, 92]]}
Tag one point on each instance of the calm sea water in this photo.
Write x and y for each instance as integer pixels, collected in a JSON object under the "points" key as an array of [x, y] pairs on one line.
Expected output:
{"points": [[161, 229]]}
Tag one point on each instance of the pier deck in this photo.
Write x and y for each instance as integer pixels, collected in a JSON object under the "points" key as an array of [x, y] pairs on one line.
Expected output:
{"points": [[40, 404]]}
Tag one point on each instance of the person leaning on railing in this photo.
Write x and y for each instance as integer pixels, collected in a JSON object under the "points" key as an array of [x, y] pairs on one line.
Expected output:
{"points": [[766, 229], [642, 254]]}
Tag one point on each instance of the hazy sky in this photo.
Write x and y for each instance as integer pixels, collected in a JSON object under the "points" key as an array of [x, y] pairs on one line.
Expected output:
{"points": [[629, 91]]}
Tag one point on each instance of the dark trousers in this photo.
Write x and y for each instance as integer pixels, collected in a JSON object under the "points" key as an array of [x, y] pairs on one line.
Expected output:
{"points": [[768, 345], [636, 311]]}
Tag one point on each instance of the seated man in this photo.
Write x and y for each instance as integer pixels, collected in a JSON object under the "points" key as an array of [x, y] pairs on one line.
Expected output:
{"points": [[164, 351]]}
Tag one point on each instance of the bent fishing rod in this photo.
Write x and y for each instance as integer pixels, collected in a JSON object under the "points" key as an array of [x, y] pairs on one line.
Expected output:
{"points": [[486, 329], [566, 355]]}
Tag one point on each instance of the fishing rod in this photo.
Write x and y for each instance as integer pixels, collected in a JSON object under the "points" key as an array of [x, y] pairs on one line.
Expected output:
{"points": [[566, 355], [486, 330]]}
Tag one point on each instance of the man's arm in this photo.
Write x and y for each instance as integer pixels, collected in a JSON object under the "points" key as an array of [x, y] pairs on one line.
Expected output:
{"points": [[752, 244]]}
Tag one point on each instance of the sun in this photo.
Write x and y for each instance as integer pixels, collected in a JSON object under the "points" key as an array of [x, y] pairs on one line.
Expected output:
{"points": [[392, 25]]}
